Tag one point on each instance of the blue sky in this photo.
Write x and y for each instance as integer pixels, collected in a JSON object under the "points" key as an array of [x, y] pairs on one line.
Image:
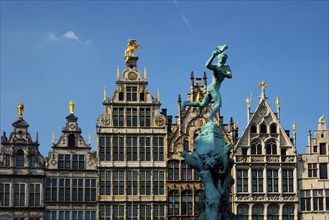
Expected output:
{"points": [[55, 51]]}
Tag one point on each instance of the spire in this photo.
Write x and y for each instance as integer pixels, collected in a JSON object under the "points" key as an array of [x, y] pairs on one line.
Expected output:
{"points": [[52, 138], [262, 85], [145, 76], [158, 95], [277, 102], [118, 72], [20, 109], [105, 95], [89, 139], [71, 107], [294, 127], [192, 81], [37, 136]]}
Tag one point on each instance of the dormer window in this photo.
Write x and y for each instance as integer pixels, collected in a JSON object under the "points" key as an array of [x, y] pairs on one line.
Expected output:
{"points": [[263, 129], [273, 129], [71, 142], [253, 129], [20, 158]]}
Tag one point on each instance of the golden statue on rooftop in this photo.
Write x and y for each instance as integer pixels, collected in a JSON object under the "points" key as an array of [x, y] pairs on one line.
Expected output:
{"points": [[321, 119], [132, 46], [20, 109], [262, 85], [71, 106]]}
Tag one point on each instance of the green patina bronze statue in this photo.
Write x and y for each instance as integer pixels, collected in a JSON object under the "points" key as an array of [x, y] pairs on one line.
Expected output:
{"points": [[211, 155], [220, 71]]}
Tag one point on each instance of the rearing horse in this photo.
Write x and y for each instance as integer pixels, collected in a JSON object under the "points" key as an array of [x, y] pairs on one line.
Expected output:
{"points": [[132, 46]]}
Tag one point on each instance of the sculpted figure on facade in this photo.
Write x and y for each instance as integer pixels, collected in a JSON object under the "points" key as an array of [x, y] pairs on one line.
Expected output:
{"points": [[211, 154], [132, 46]]}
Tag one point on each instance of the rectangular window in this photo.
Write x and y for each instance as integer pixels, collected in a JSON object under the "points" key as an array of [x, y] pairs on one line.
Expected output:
{"points": [[145, 182], [131, 93], [272, 180], [101, 148], [118, 117], [242, 180], [131, 115], [105, 212], [74, 190], [35, 194], [305, 200], [312, 170], [105, 183], [257, 180], [158, 212], [132, 182], [118, 148], [327, 199], [142, 96], [118, 212], [145, 149], [287, 180], [323, 149], [78, 161], [80, 189], [144, 117], [145, 212], [4, 194], [158, 148], [132, 211], [104, 148], [323, 171], [317, 200], [19, 194], [158, 182], [131, 142]]}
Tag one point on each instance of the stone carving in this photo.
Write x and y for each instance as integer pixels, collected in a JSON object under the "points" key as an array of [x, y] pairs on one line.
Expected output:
{"points": [[211, 155]]}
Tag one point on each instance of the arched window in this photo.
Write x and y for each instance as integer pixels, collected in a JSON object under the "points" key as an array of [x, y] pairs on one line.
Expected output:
{"points": [[71, 140], [173, 170], [173, 200], [186, 145], [243, 212], [273, 212], [273, 129], [257, 212], [186, 205], [288, 212], [263, 129], [256, 147], [20, 158], [186, 171], [253, 129], [271, 147]]}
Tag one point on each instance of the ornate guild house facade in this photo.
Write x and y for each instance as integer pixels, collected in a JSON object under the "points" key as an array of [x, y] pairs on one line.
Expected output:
{"points": [[313, 176], [71, 175], [21, 173], [131, 148], [265, 168]]}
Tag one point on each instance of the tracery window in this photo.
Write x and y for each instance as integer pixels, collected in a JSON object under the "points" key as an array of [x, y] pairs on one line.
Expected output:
{"points": [[173, 170], [186, 204], [273, 212], [173, 208], [271, 147], [288, 212], [243, 212], [186, 171], [257, 212], [256, 147]]}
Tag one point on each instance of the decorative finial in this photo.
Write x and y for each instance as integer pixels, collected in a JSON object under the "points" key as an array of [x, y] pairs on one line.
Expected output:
{"points": [[118, 72], [89, 139], [71, 107], [277, 101], [294, 126], [145, 76], [235, 124], [158, 95], [105, 95], [20, 109], [52, 138], [132, 46], [248, 101], [262, 85], [321, 119]]}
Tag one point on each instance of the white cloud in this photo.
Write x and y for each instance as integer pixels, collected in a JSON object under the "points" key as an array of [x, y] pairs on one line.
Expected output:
{"points": [[71, 36], [51, 36], [89, 42]]}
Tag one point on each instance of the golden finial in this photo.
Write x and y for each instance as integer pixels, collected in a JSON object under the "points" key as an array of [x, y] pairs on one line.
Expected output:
{"points": [[234, 126], [118, 72], [145, 77], [158, 95], [52, 138], [89, 139], [321, 119], [294, 126], [262, 85], [20, 109], [277, 101], [71, 107], [248, 101], [105, 95]]}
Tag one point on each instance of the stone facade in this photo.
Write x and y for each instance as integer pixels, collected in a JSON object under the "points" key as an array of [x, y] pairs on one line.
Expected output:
{"points": [[71, 176], [21, 175], [313, 174], [131, 147], [183, 184], [265, 168]]}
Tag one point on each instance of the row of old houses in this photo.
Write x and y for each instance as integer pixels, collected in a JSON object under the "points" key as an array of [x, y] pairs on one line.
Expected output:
{"points": [[137, 172]]}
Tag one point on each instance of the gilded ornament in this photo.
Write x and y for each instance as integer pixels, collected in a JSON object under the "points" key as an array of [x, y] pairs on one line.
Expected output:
{"points": [[321, 119], [20, 109], [71, 107], [132, 46], [159, 121], [262, 85], [132, 75]]}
